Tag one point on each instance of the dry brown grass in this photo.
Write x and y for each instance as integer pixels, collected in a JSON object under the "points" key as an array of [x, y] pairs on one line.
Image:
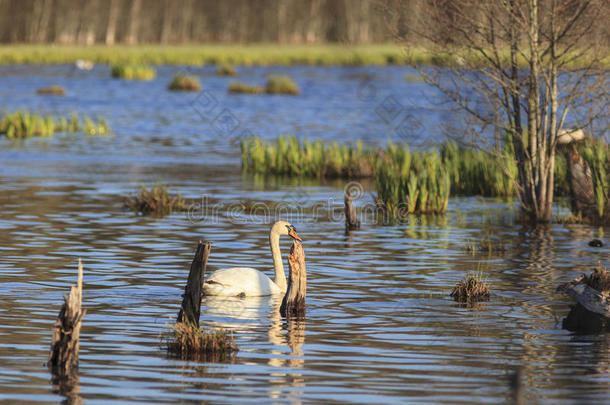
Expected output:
{"points": [[156, 201], [471, 290], [190, 342], [52, 90]]}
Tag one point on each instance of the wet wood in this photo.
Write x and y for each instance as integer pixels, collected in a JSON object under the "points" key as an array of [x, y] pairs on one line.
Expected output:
{"points": [[63, 357], [191, 299], [351, 220], [293, 303], [593, 300]]}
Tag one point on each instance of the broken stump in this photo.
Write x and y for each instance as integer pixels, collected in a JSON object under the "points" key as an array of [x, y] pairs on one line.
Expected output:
{"points": [[293, 303], [190, 309], [63, 357]]}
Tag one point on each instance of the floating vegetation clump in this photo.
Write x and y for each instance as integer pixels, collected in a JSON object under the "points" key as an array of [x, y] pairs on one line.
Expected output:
{"points": [[281, 85], [22, 124], [242, 88], [190, 342], [411, 78], [225, 69], [182, 82], [52, 90], [471, 290], [156, 201], [133, 72]]}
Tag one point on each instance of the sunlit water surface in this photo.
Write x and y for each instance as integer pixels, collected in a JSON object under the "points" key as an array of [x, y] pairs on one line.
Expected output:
{"points": [[380, 326]]}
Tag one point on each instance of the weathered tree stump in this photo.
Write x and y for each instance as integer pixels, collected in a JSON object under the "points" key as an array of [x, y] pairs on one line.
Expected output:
{"points": [[351, 220], [190, 309], [63, 357], [590, 298], [293, 303]]}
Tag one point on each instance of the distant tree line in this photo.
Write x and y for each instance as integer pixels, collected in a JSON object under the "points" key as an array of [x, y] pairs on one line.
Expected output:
{"points": [[227, 21]]}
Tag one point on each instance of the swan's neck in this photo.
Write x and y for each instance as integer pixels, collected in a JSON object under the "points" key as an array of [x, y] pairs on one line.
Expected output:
{"points": [[280, 276]]}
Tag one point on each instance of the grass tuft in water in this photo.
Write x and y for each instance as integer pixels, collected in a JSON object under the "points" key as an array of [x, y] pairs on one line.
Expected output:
{"points": [[182, 82], [225, 69], [55, 90], [471, 290], [242, 88], [156, 201], [189, 342], [23, 124], [281, 85], [133, 72], [486, 246]]}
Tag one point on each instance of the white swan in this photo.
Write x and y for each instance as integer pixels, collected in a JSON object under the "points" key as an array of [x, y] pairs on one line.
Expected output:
{"points": [[249, 282]]}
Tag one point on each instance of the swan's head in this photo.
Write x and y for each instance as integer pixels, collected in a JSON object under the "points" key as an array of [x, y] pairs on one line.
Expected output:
{"points": [[286, 228]]}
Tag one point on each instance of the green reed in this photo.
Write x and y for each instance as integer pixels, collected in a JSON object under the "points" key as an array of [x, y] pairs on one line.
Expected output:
{"points": [[133, 72], [23, 124]]}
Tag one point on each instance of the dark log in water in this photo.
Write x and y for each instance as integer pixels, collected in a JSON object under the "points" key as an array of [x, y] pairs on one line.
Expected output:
{"points": [[293, 303], [351, 220], [581, 320], [590, 298], [63, 357], [191, 299]]}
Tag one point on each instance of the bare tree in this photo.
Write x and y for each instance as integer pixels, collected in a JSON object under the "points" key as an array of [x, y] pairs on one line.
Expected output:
{"points": [[523, 70]]}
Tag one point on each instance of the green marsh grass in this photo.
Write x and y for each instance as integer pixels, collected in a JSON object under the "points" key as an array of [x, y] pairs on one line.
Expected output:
{"points": [[52, 90], [278, 84], [242, 88], [133, 72], [225, 69], [23, 124], [182, 82]]}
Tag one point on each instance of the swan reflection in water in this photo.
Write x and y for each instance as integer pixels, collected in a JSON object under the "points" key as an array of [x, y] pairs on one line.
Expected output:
{"points": [[249, 316]]}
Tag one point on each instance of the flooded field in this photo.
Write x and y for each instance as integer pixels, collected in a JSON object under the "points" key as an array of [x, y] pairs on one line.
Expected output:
{"points": [[380, 325]]}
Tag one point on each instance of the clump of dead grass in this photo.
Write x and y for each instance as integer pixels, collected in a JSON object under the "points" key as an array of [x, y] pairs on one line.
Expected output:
{"points": [[599, 279], [156, 201], [471, 290], [190, 342]]}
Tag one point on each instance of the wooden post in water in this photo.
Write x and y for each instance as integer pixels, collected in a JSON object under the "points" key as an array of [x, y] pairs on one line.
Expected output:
{"points": [[191, 300], [293, 303], [63, 357], [351, 220]]}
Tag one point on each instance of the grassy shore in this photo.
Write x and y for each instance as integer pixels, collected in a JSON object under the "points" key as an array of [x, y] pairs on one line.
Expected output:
{"points": [[253, 54]]}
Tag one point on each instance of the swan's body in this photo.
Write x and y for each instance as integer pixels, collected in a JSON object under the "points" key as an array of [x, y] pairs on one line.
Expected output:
{"points": [[249, 282]]}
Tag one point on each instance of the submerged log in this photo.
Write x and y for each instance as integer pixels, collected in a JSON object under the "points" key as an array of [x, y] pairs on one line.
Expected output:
{"points": [[190, 309], [293, 303], [590, 298], [63, 357], [351, 220]]}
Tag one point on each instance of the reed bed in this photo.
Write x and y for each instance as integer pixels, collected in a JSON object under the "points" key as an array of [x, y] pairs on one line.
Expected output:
{"points": [[23, 124], [55, 90], [182, 82], [243, 88], [190, 342], [277, 84], [156, 201], [225, 69], [133, 72]]}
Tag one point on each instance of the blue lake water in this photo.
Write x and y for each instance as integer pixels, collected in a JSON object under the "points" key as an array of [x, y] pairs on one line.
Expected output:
{"points": [[380, 325]]}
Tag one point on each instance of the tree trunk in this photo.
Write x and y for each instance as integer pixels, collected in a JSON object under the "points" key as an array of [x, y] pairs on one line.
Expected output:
{"points": [[293, 303], [134, 22], [190, 309], [113, 14]]}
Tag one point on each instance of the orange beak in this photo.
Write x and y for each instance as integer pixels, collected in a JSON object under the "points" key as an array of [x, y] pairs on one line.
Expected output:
{"points": [[293, 234]]}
